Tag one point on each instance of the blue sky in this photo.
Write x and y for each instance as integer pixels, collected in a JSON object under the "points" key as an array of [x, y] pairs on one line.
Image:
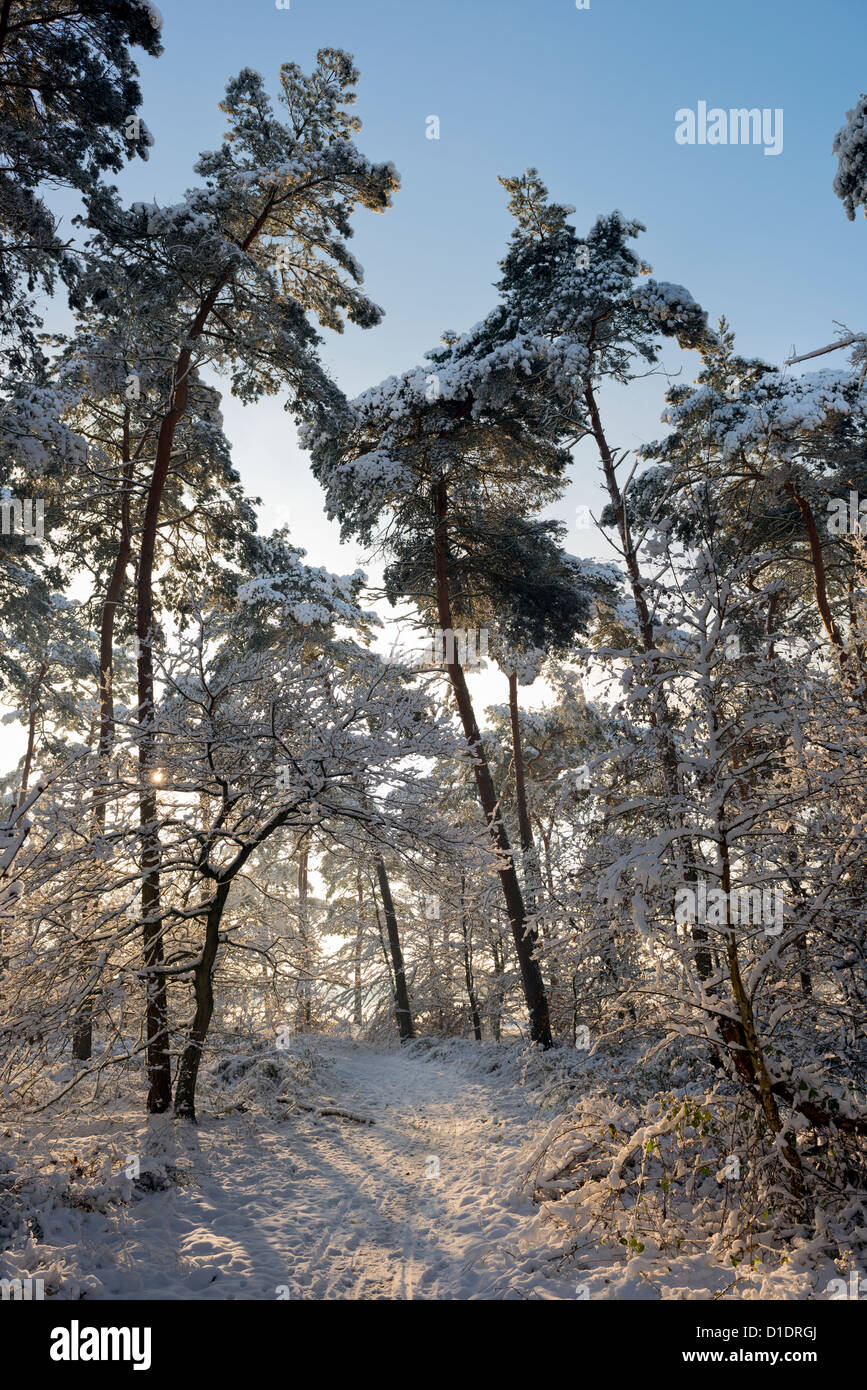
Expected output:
{"points": [[589, 97]]}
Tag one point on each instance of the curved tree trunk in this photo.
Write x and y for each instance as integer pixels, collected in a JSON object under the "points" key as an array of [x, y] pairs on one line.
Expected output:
{"points": [[156, 1019], [203, 984], [743, 1040]]}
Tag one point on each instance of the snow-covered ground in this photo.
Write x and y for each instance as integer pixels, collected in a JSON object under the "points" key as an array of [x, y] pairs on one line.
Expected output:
{"points": [[272, 1201], [415, 1205]]}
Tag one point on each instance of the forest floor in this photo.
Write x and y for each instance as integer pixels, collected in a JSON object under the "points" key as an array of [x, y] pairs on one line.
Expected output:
{"points": [[417, 1204], [279, 1200]]}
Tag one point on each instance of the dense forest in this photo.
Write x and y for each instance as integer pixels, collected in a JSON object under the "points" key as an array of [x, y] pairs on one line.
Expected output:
{"points": [[265, 834]]}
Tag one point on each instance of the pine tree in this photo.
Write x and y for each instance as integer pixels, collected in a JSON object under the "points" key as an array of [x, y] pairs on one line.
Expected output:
{"points": [[227, 277], [69, 95], [426, 449], [850, 147]]}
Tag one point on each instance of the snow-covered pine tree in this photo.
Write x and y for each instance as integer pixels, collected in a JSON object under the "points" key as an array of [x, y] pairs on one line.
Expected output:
{"points": [[850, 147], [423, 449], [227, 277], [778, 457], [69, 98]]}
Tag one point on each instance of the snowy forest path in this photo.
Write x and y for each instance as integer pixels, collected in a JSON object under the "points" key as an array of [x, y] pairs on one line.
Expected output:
{"points": [[398, 1209], [420, 1204]]}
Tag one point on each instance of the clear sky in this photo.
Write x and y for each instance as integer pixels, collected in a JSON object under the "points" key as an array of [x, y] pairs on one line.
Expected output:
{"points": [[588, 96]]}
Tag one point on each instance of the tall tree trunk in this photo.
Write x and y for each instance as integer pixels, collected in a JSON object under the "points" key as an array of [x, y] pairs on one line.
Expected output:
{"points": [[33, 702], [156, 1017], [530, 855], [743, 1039], [402, 1010], [532, 877], [468, 964], [820, 574], [359, 933], [23, 789], [660, 715], [389, 968], [496, 1010], [525, 938], [82, 1035], [304, 1013]]}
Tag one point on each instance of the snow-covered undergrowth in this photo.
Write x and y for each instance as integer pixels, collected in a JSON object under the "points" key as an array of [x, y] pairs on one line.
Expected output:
{"points": [[273, 1080], [62, 1198], [665, 1162]]}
